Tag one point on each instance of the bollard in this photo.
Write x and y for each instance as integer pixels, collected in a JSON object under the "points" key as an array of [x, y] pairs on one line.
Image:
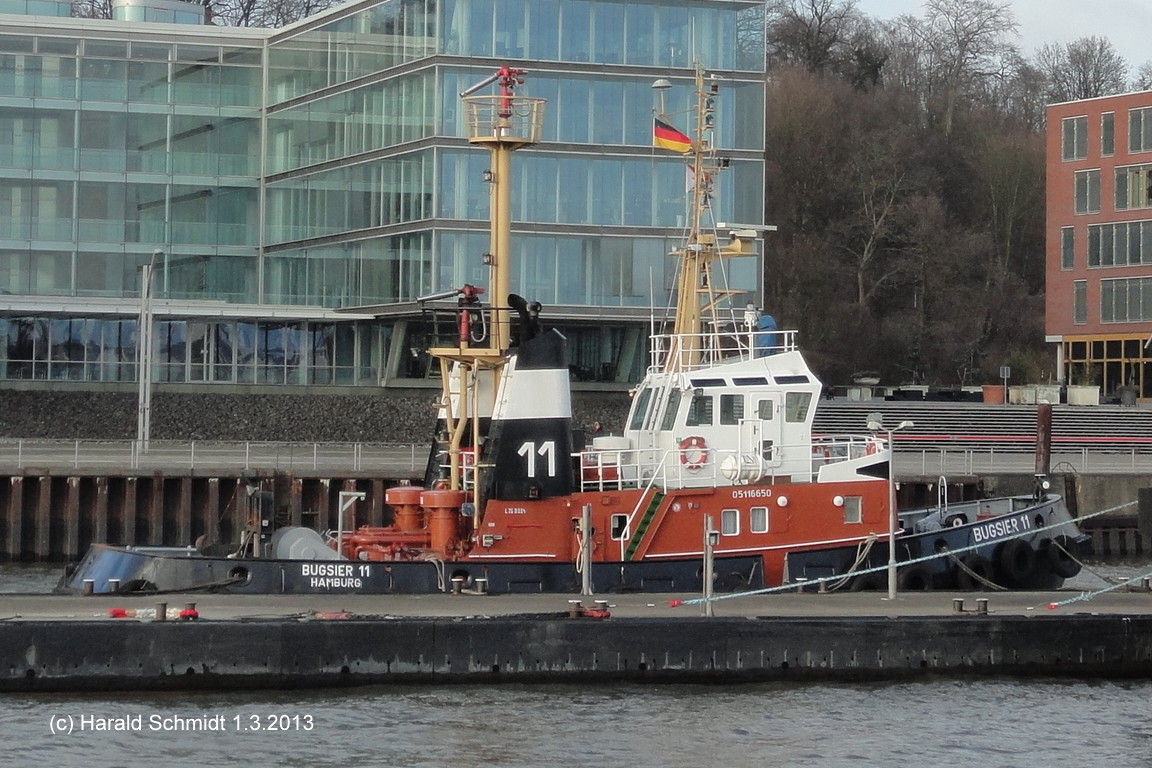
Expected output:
{"points": [[1146, 584], [161, 612], [89, 587], [113, 585], [457, 584], [957, 605], [982, 606], [823, 588], [481, 585], [574, 608]]}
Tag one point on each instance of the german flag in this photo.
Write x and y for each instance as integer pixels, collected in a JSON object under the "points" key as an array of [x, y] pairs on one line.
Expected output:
{"points": [[667, 137]]}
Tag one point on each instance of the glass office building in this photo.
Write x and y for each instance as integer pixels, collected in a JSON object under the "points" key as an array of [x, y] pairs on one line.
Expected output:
{"points": [[277, 177]]}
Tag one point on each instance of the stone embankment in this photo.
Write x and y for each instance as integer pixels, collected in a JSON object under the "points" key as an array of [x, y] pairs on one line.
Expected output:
{"points": [[386, 416]]}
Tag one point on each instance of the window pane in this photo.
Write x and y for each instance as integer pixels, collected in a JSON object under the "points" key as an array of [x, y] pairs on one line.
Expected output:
{"points": [[731, 409], [700, 411], [764, 410], [853, 509], [796, 406], [758, 520], [670, 410], [640, 408]]}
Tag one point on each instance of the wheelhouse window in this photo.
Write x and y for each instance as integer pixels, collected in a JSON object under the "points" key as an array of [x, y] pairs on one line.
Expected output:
{"points": [[731, 409], [796, 405], [640, 408], [669, 420], [729, 522], [700, 411], [758, 520]]}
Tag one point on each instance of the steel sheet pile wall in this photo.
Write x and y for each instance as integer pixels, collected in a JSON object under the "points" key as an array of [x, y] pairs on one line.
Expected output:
{"points": [[127, 655], [55, 517]]}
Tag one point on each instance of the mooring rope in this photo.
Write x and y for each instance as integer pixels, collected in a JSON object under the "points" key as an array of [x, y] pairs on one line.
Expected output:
{"points": [[975, 576], [881, 568], [862, 550], [1083, 565]]}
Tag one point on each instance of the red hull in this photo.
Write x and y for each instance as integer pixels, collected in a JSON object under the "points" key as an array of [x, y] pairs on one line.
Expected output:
{"points": [[767, 520]]}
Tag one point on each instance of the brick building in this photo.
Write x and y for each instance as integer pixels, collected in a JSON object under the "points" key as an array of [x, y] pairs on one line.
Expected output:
{"points": [[1099, 242]]}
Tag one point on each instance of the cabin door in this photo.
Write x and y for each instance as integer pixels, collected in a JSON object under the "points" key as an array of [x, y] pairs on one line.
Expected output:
{"points": [[757, 443]]}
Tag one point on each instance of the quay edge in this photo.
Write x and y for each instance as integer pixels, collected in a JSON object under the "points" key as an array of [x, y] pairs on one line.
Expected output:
{"points": [[84, 656]]}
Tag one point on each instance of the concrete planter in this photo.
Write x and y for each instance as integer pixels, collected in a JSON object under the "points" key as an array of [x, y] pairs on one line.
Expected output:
{"points": [[1048, 393], [1083, 394], [1022, 395]]}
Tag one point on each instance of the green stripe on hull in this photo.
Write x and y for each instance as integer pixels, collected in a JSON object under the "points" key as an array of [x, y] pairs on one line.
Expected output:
{"points": [[642, 526]]}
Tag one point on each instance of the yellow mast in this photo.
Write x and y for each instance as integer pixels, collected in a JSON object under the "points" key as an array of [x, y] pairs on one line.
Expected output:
{"points": [[697, 299], [503, 124]]}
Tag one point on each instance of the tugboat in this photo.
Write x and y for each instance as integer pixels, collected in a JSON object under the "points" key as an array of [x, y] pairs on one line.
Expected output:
{"points": [[718, 452]]}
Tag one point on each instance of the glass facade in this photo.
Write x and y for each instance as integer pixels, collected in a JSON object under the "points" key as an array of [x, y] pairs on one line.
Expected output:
{"points": [[229, 351], [323, 166]]}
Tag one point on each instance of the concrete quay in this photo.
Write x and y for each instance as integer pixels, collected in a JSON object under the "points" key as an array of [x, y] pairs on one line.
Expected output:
{"points": [[69, 643]]}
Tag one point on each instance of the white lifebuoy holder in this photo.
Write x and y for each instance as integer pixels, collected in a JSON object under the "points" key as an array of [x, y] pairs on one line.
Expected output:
{"points": [[693, 452]]}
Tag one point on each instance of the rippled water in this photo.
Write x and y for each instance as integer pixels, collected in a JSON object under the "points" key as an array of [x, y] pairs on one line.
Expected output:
{"points": [[946, 723]]}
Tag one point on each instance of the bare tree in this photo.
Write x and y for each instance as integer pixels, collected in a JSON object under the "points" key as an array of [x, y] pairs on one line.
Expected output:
{"points": [[969, 42], [813, 34], [1082, 69], [1143, 81], [1023, 95]]}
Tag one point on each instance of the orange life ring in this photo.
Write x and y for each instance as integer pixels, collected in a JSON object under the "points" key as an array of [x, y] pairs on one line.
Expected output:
{"points": [[871, 448], [693, 452]]}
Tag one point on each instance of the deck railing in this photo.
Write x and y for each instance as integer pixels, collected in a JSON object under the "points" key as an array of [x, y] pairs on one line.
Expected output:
{"points": [[409, 459]]}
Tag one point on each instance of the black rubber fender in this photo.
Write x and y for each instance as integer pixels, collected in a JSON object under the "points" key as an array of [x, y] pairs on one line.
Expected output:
{"points": [[1016, 561], [868, 582], [914, 578]]}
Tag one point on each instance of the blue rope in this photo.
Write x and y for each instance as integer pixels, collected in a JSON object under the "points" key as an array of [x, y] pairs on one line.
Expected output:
{"points": [[1084, 596]]}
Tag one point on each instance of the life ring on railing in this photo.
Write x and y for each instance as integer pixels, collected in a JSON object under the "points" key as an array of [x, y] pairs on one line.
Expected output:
{"points": [[871, 448], [693, 452], [827, 455]]}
